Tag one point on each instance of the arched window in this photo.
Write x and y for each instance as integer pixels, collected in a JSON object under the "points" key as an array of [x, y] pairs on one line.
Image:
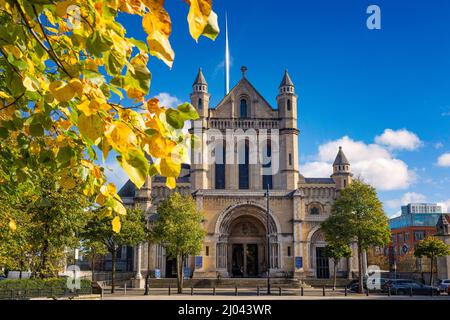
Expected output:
{"points": [[267, 164], [243, 165], [314, 211], [289, 105], [220, 167], [200, 103], [243, 109]]}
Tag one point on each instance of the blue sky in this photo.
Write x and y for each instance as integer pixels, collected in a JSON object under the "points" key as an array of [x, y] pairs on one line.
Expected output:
{"points": [[352, 83]]}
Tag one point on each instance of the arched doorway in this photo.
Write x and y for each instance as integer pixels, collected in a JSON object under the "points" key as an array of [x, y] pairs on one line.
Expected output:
{"points": [[242, 241], [319, 262], [246, 247]]}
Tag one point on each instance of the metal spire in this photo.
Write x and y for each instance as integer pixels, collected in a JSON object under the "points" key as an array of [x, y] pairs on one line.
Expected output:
{"points": [[227, 58]]}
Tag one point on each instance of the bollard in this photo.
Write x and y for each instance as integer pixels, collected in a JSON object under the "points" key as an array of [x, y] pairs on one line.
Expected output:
{"points": [[367, 292], [101, 293], [169, 290], [323, 289], [192, 291], [214, 291], [432, 293], [12, 294], [257, 290], [389, 291], [125, 289], [301, 291], [235, 291], [279, 291], [345, 291], [410, 291]]}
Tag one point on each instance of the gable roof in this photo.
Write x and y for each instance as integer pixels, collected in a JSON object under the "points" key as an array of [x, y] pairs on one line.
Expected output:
{"points": [[241, 83]]}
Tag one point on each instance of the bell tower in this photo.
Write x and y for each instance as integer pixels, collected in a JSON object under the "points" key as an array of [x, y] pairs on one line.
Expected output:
{"points": [[341, 171], [199, 164], [287, 111]]}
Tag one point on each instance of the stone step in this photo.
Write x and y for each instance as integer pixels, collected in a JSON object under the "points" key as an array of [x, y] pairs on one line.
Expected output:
{"points": [[228, 283]]}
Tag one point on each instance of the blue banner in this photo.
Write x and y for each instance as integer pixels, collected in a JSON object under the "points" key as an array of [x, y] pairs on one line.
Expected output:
{"points": [[298, 262], [198, 262], [187, 273], [157, 273]]}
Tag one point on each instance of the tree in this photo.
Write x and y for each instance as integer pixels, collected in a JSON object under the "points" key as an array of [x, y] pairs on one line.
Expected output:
{"points": [[49, 218], [178, 228], [92, 249], [336, 251], [128, 231], [431, 247], [66, 69], [357, 216]]}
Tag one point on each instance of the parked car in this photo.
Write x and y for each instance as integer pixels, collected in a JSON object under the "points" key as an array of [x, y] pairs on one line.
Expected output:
{"points": [[354, 284], [416, 288], [390, 282], [444, 284]]}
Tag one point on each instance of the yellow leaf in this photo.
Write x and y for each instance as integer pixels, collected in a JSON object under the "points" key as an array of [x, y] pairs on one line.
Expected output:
{"points": [[159, 147], [77, 86], [171, 182], [91, 127], [121, 137], [157, 25], [68, 183], [61, 91], [12, 225], [116, 225], [169, 168], [109, 189], [198, 15], [29, 84], [118, 207], [160, 47]]}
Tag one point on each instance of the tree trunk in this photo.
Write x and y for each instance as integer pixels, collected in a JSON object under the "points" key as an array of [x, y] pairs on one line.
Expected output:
{"points": [[431, 270], [334, 274], [92, 267], [147, 277], [360, 270], [180, 262], [113, 270]]}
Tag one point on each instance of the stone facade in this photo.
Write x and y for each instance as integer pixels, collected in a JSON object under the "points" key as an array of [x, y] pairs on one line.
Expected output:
{"points": [[233, 197]]}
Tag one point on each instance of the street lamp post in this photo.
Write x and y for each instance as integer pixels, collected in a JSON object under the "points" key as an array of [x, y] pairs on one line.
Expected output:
{"points": [[268, 239]]}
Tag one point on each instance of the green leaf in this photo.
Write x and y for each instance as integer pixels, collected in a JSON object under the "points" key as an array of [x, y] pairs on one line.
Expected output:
{"points": [[212, 28], [135, 165], [65, 154], [114, 62], [175, 118], [188, 111], [97, 43], [138, 79], [138, 43]]}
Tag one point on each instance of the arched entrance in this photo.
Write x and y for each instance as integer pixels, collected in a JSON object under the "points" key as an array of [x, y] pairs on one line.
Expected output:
{"points": [[242, 241], [246, 247]]}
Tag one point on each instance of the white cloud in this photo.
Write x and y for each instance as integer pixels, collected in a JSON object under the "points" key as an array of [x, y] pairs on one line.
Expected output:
{"points": [[167, 100], [408, 197], [374, 163], [399, 139], [445, 206], [438, 145], [444, 160], [445, 114]]}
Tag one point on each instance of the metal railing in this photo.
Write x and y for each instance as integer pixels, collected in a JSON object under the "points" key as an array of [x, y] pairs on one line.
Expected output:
{"points": [[55, 293]]}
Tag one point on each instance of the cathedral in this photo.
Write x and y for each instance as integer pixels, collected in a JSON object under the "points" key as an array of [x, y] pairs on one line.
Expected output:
{"points": [[234, 195]]}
